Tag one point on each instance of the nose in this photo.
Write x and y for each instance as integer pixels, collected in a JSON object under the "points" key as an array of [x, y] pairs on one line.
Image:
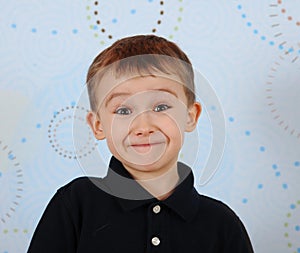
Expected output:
{"points": [[143, 124]]}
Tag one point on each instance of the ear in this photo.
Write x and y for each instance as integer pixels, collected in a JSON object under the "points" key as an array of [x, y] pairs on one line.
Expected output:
{"points": [[194, 112], [95, 124]]}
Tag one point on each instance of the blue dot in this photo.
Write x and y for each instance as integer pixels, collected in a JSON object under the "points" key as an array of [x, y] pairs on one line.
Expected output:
{"points": [[297, 163], [95, 27], [262, 149], [271, 43], [274, 166], [292, 206], [277, 174], [23, 140], [260, 186], [297, 228], [247, 132], [54, 32], [239, 7], [298, 250], [249, 24], [231, 119], [11, 156], [291, 50], [33, 30], [73, 103], [299, 51], [243, 15], [114, 20], [0, 174], [263, 37], [280, 47], [213, 108], [133, 11], [75, 31], [13, 26], [55, 113], [284, 186], [255, 31], [150, 1], [38, 125], [245, 200]]}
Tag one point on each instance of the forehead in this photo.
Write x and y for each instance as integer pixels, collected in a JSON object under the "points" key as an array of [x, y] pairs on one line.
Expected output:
{"points": [[133, 84]]}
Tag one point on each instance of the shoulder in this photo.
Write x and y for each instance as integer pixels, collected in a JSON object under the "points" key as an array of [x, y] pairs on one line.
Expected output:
{"points": [[221, 221], [83, 190], [217, 212]]}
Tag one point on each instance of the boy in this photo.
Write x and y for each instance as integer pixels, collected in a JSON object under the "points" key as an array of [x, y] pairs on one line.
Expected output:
{"points": [[141, 92]]}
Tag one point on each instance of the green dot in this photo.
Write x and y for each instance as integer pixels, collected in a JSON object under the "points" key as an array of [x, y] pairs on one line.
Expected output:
{"points": [[96, 35], [102, 42], [179, 19], [286, 224], [180, 0], [176, 28], [289, 215], [181, 9], [91, 27], [88, 8], [5, 231], [16, 230], [88, 17], [298, 202], [290, 245], [286, 235], [171, 36], [25, 231]]}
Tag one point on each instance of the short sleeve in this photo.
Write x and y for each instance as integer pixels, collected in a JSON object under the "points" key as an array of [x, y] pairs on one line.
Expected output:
{"points": [[55, 231]]}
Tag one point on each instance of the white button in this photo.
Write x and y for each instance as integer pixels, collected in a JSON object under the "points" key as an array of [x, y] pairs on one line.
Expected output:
{"points": [[155, 241], [156, 209]]}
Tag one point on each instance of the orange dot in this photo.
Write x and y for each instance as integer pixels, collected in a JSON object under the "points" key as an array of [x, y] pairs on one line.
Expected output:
{"points": [[283, 10], [298, 23], [279, 1], [290, 18]]}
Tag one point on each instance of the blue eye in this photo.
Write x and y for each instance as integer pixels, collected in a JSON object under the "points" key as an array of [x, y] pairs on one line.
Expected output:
{"points": [[123, 111], [161, 107]]}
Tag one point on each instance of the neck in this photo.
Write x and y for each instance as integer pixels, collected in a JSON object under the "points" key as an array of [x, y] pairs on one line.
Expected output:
{"points": [[161, 187]]}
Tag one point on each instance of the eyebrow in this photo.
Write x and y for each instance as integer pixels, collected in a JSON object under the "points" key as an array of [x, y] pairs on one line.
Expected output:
{"points": [[114, 95], [121, 94]]}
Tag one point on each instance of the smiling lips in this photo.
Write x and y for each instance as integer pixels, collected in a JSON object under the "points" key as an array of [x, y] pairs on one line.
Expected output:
{"points": [[145, 147]]}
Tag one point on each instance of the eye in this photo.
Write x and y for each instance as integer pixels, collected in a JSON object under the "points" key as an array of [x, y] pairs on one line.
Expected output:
{"points": [[123, 111], [161, 107]]}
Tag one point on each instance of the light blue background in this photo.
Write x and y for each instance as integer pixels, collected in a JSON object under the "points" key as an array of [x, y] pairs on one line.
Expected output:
{"points": [[248, 50]]}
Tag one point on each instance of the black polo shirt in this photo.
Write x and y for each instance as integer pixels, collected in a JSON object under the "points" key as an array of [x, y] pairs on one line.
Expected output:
{"points": [[115, 214]]}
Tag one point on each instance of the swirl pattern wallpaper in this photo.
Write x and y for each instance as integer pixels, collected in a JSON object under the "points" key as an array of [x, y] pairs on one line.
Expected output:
{"points": [[245, 150]]}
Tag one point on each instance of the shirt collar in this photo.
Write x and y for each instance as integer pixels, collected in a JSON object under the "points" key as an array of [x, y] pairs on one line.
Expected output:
{"points": [[131, 194]]}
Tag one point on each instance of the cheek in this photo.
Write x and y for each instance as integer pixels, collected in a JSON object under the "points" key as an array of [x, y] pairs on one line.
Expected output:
{"points": [[117, 130], [173, 126]]}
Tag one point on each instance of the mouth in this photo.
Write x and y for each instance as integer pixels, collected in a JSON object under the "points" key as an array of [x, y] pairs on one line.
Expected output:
{"points": [[145, 147]]}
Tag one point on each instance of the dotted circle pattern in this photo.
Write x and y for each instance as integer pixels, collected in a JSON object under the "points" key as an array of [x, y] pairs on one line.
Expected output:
{"points": [[281, 46], [11, 208], [288, 227], [15, 231], [272, 75], [60, 117], [289, 17], [278, 10], [94, 10]]}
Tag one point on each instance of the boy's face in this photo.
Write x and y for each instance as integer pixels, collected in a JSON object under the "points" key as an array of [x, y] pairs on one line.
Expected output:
{"points": [[143, 120]]}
